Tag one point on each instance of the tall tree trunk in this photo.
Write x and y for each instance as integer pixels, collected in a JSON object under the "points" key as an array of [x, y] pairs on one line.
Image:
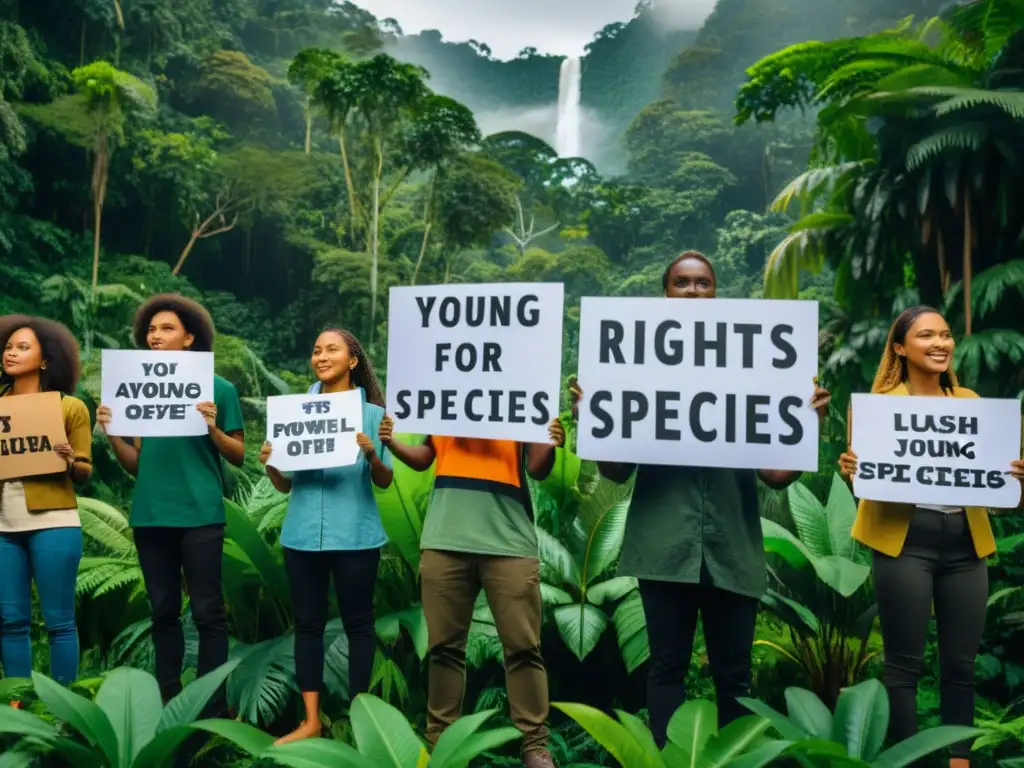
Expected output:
{"points": [[968, 238], [374, 243], [427, 224], [349, 186], [309, 121], [185, 252], [101, 166]]}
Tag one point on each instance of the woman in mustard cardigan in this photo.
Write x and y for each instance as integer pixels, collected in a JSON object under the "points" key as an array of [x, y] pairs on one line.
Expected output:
{"points": [[926, 553], [40, 533]]}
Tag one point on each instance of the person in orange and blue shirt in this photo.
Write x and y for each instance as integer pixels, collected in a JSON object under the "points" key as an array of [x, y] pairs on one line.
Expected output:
{"points": [[479, 533]]}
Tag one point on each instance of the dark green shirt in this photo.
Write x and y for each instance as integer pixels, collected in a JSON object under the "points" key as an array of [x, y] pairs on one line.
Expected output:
{"points": [[180, 482], [683, 517]]}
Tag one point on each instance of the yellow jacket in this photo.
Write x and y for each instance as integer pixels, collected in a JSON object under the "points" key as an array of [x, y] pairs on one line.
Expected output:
{"points": [[883, 525]]}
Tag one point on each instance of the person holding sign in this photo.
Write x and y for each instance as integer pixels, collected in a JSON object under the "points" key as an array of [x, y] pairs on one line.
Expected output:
{"points": [[479, 533], [178, 507], [333, 527], [925, 554], [693, 540], [40, 532]]}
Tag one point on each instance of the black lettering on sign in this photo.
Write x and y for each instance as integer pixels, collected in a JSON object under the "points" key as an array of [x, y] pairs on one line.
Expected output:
{"points": [[18, 446], [159, 369], [319, 406], [778, 334], [935, 449], [940, 425], [960, 477], [493, 405], [159, 390], [475, 311], [894, 473], [155, 411], [5, 424], [311, 427], [466, 356], [315, 445]]}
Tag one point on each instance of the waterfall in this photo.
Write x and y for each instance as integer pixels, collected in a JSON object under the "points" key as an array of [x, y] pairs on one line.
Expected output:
{"points": [[567, 135]]}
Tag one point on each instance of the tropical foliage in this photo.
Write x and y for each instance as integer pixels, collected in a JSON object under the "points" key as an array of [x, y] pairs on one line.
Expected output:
{"points": [[287, 163]]}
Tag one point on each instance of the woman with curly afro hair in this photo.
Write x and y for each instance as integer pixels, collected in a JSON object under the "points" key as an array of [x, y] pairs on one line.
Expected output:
{"points": [[178, 506], [926, 559], [40, 533]]}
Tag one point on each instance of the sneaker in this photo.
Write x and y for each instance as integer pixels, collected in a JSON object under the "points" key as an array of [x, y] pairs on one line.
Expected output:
{"points": [[538, 758]]}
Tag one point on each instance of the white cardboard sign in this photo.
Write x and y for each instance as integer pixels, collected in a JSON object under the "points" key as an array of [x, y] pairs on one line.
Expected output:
{"points": [[314, 431], [702, 383], [475, 360], [948, 451], [154, 393]]}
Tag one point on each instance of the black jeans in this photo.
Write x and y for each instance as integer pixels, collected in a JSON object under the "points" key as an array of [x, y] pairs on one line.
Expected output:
{"points": [[355, 574], [671, 610], [165, 554], [939, 564]]}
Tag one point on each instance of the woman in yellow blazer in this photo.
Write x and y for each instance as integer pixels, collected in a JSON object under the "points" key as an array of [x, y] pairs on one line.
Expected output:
{"points": [[926, 553], [40, 533]]}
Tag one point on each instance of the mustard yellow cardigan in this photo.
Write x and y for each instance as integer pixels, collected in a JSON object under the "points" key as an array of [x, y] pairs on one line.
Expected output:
{"points": [[883, 525]]}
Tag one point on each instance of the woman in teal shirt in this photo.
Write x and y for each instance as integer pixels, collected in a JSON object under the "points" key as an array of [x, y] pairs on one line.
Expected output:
{"points": [[333, 527]]}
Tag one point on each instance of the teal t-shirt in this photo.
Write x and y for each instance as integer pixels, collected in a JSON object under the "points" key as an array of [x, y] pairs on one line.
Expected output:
{"points": [[180, 482]]}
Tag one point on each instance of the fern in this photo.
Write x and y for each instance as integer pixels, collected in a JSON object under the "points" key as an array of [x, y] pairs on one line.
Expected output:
{"points": [[988, 349], [991, 287], [970, 136]]}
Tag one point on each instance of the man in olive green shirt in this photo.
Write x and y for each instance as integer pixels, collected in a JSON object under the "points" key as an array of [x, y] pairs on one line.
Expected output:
{"points": [[178, 506], [693, 541]]}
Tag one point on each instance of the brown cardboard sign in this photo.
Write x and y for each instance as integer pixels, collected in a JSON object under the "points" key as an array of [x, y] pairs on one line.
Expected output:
{"points": [[30, 425]]}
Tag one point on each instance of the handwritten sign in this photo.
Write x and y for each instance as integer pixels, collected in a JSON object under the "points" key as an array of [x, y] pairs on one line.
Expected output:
{"points": [[30, 425], [155, 393], [950, 451], [475, 360], [719, 383], [314, 431]]}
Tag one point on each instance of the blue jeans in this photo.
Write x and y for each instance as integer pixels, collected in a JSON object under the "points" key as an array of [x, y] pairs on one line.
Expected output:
{"points": [[51, 557]]}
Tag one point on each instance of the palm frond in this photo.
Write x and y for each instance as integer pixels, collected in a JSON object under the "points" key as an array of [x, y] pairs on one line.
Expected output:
{"points": [[991, 287], [988, 349], [956, 137], [107, 526]]}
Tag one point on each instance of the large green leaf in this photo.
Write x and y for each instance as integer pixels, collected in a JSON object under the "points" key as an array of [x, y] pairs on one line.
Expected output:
{"points": [[383, 734], [412, 620], [734, 740], [318, 753], [403, 506], [265, 679], [840, 513], [692, 726], [462, 741], [631, 631], [809, 712], [167, 743], [810, 520], [562, 482], [553, 595], [758, 757], [842, 575], [861, 719], [21, 723], [580, 626], [799, 617], [786, 728], [908, 751], [557, 565], [131, 700], [244, 534], [612, 589], [184, 708], [611, 735], [599, 529], [83, 715]]}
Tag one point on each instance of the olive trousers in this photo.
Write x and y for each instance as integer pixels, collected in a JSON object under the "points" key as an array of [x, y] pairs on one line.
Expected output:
{"points": [[450, 583]]}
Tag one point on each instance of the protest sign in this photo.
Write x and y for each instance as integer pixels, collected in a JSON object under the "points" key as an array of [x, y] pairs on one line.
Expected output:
{"points": [[314, 431], [475, 360], [155, 393], [948, 451], [30, 425], [720, 383]]}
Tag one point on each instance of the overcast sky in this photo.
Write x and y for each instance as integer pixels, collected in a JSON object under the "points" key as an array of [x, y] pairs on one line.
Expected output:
{"points": [[560, 27]]}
